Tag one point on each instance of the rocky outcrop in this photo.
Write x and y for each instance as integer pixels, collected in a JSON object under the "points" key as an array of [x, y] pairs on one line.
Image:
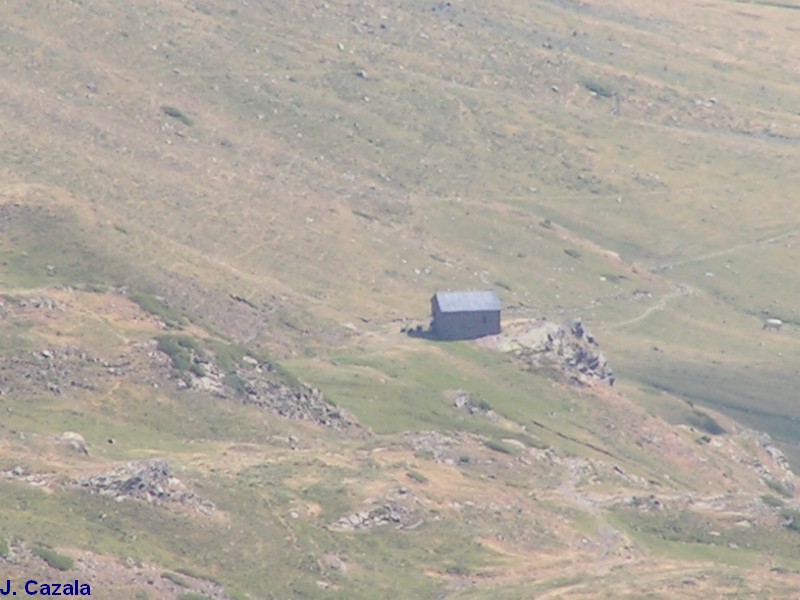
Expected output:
{"points": [[301, 403], [775, 470], [149, 480], [255, 382], [398, 509], [569, 347]]}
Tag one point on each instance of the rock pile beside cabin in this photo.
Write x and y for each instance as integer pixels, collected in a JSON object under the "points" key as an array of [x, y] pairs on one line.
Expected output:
{"points": [[570, 347]]}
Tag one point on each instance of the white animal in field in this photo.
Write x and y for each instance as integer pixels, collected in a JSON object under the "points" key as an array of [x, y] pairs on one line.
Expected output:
{"points": [[772, 324]]}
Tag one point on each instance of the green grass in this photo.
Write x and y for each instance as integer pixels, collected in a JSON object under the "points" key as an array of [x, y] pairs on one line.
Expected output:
{"points": [[772, 501], [417, 476], [189, 572], [48, 236], [405, 389], [159, 308], [53, 558], [184, 351], [779, 487], [4, 549], [175, 578], [228, 355], [706, 422], [691, 536], [501, 447]]}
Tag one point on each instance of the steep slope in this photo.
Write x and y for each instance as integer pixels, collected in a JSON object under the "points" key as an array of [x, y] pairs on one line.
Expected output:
{"points": [[163, 463]]}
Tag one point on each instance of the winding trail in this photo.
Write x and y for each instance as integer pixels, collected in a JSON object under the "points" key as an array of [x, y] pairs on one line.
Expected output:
{"points": [[683, 289], [680, 290], [725, 251]]}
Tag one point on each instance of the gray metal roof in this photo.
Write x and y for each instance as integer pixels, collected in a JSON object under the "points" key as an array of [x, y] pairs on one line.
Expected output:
{"points": [[467, 301]]}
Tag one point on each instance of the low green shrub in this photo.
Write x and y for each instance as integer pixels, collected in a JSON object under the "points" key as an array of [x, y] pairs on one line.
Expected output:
{"points": [[601, 89], [229, 356], [197, 575], [417, 476], [53, 558], [529, 440], [185, 353], [484, 405], [705, 422], [237, 383], [198, 369], [175, 113], [458, 570], [175, 578], [772, 501], [499, 446], [158, 308], [777, 486]]}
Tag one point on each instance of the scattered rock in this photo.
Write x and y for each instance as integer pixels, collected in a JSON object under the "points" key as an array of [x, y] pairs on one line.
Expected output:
{"points": [[300, 402], [396, 509], [35, 479], [464, 400], [775, 470], [387, 514], [432, 443], [646, 503], [332, 561], [61, 370]]}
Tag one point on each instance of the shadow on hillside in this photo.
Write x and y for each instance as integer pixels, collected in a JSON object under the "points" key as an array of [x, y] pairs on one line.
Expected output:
{"points": [[760, 397], [419, 332]]}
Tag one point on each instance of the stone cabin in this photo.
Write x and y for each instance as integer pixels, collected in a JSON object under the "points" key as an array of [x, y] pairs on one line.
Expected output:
{"points": [[465, 315]]}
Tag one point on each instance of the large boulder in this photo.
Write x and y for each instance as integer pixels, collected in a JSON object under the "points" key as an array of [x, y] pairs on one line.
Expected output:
{"points": [[75, 441]]}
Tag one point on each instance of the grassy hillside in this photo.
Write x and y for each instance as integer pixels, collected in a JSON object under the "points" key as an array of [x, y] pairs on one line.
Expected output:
{"points": [[289, 183]]}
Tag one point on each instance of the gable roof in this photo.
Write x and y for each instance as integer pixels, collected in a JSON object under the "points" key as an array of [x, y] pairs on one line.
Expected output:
{"points": [[467, 301]]}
